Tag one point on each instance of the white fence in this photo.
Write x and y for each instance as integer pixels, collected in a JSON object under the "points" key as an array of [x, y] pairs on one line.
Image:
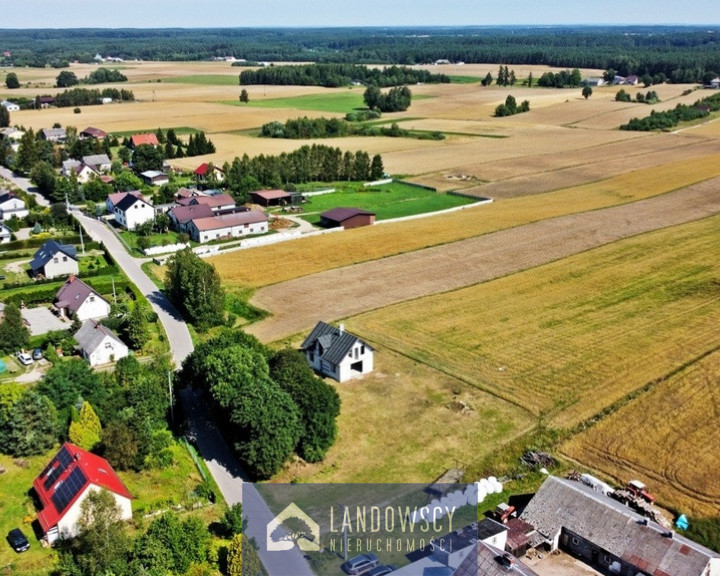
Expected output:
{"points": [[428, 214], [170, 248], [378, 182], [319, 192]]}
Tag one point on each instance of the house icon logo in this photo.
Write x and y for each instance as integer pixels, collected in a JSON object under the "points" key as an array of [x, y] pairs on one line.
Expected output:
{"points": [[292, 527]]}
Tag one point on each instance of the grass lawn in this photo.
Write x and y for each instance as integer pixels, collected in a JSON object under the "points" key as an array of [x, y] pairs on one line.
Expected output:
{"points": [[131, 238], [465, 79], [204, 80], [388, 201], [340, 101]]}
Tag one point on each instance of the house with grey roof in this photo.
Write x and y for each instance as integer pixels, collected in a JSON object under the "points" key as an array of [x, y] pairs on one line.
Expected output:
{"points": [[11, 205], [98, 162], [99, 344], [76, 299], [53, 134], [54, 259], [336, 353], [609, 536], [181, 216]]}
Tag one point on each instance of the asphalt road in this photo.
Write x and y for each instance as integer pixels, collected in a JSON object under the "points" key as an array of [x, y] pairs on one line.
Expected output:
{"points": [[23, 183], [218, 457]]}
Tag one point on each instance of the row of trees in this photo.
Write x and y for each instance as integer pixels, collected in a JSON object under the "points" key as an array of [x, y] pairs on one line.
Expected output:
{"points": [[681, 53], [272, 403], [671, 118], [651, 97], [334, 75], [396, 99], [91, 97], [302, 128], [563, 79], [316, 163], [66, 79]]}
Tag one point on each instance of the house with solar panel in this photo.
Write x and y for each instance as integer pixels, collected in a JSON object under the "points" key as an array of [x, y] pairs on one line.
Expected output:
{"points": [[66, 481], [335, 353]]}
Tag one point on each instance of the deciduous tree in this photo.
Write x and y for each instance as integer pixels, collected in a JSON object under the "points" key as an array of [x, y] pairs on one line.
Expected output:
{"points": [[11, 81], [14, 335]]}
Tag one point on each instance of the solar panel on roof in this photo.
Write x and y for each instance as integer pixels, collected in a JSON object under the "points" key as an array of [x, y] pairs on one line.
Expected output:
{"points": [[51, 476], [65, 492], [56, 467], [64, 457]]}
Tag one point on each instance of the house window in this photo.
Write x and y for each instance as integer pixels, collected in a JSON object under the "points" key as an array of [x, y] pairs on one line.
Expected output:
{"points": [[64, 258], [108, 345], [92, 298], [56, 260], [311, 356], [575, 541], [362, 349]]}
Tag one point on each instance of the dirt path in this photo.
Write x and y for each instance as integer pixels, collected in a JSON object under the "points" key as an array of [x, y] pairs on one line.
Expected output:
{"points": [[298, 304]]}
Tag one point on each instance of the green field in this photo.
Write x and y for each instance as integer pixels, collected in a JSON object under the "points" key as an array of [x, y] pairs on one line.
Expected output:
{"points": [[204, 80], [388, 201], [340, 101], [465, 79]]}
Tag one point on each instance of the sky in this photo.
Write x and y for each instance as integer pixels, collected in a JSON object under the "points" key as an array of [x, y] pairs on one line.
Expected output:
{"points": [[303, 13]]}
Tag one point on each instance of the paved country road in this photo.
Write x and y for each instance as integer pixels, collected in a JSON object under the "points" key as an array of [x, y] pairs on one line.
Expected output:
{"points": [[23, 183], [221, 462]]}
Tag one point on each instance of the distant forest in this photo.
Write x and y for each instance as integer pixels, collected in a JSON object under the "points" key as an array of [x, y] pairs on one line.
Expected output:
{"points": [[683, 54]]}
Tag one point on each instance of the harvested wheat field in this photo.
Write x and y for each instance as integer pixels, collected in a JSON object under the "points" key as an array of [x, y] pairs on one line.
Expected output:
{"points": [[568, 339], [296, 305], [669, 436], [272, 264]]}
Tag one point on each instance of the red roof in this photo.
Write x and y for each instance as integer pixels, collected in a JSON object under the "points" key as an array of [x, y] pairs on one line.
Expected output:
{"points": [[203, 169], [93, 132], [229, 220], [65, 479], [138, 139]]}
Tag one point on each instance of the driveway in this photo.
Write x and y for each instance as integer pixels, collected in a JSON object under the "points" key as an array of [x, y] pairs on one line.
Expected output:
{"points": [[24, 184]]}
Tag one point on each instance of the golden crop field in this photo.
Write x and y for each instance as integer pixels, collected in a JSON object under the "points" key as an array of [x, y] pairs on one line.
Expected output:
{"points": [[280, 262], [567, 339], [670, 436]]}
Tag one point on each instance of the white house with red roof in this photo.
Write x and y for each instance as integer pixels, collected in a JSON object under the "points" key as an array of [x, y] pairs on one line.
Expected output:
{"points": [[71, 475], [205, 171]]}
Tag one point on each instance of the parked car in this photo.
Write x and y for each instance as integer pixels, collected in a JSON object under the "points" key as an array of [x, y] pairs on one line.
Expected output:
{"points": [[24, 358], [381, 570], [17, 540], [37, 354], [360, 564]]}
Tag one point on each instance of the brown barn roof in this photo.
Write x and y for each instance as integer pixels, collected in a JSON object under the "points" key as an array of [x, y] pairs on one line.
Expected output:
{"points": [[342, 214], [183, 214], [212, 201], [272, 194]]}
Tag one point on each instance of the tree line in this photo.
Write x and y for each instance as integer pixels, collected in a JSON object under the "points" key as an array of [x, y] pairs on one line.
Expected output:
{"points": [[681, 53], [334, 75], [100, 76], [316, 163], [671, 118], [91, 96], [304, 128], [510, 107]]}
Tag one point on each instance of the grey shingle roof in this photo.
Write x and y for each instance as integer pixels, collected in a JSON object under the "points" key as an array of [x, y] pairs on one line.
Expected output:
{"points": [[610, 525], [335, 343], [96, 159], [91, 335], [488, 563], [46, 252]]}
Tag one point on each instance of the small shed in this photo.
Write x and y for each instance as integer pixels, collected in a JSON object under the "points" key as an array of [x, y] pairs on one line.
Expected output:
{"points": [[347, 218]]}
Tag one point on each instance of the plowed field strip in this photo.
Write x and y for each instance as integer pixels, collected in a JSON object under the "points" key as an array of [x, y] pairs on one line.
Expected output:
{"points": [[297, 304]]}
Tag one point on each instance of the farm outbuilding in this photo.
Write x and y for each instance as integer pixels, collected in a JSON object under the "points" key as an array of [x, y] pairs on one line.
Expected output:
{"points": [[271, 197], [347, 218]]}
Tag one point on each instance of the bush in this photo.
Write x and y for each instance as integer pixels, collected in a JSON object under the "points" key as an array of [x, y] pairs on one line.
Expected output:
{"points": [[76, 110]]}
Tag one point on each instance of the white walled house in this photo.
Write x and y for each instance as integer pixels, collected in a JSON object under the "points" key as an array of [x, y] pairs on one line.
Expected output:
{"points": [[53, 260], [99, 344], [336, 353], [10, 106], [132, 211], [76, 299], [5, 234], [11, 205], [228, 226], [61, 488]]}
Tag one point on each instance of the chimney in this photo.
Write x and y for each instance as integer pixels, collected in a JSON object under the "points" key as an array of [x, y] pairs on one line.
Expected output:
{"points": [[71, 278], [668, 534], [341, 328]]}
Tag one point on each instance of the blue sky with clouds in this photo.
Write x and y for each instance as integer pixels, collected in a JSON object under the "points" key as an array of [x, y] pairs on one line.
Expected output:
{"points": [[270, 13]]}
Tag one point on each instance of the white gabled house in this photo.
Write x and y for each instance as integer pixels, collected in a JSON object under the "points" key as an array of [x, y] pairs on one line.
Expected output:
{"points": [[338, 354], [132, 211], [75, 299], [5, 234], [11, 205], [99, 344], [54, 259]]}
